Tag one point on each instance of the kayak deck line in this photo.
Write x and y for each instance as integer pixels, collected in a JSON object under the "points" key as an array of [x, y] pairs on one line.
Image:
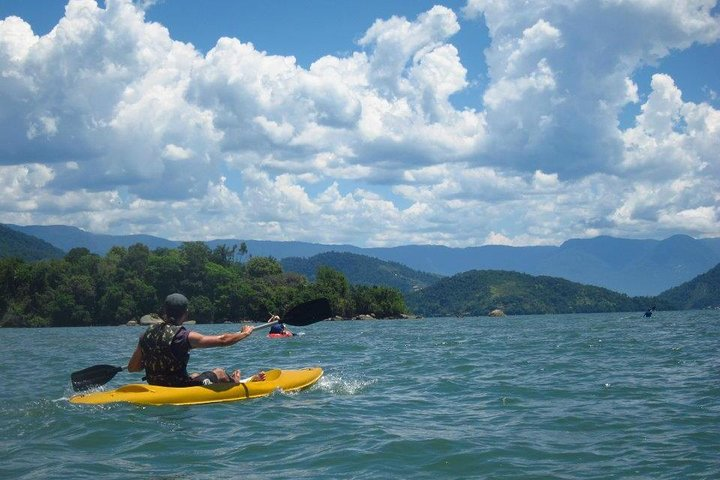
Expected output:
{"points": [[144, 394]]}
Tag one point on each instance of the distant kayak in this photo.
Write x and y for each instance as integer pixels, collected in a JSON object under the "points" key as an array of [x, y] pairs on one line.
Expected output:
{"points": [[143, 394], [280, 335]]}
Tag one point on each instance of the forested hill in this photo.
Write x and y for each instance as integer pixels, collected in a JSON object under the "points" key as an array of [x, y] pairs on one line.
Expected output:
{"points": [[362, 270], [701, 292], [477, 292], [26, 247]]}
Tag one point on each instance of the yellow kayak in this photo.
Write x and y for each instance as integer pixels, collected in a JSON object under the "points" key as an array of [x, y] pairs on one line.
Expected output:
{"points": [[143, 394]]}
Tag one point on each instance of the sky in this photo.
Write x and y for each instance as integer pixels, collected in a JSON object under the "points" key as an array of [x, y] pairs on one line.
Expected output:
{"points": [[373, 123]]}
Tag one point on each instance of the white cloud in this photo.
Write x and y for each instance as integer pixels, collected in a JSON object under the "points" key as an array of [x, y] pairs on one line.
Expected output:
{"points": [[45, 125], [674, 139], [544, 181], [15, 43], [109, 124], [19, 185], [700, 219], [175, 152], [559, 74], [531, 47], [398, 41]]}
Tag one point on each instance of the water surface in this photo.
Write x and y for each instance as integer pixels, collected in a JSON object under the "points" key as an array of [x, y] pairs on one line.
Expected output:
{"points": [[557, 396]]}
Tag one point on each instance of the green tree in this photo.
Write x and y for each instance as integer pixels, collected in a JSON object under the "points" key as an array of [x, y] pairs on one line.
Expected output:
{"points": [[195, 256], [136, 260], [8, 281], [76, 255], [124, 302], [236, 301], [259, 267], [378, 301], [224, 255], [333, 285], [165, 271], [59, 307], [202, 310]]}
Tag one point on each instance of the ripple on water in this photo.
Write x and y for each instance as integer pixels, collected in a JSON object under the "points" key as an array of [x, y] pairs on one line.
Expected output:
{"points": [[338, 385]]}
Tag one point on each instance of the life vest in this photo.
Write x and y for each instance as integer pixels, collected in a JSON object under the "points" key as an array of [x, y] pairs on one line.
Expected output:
{"points": [[162, 367]]}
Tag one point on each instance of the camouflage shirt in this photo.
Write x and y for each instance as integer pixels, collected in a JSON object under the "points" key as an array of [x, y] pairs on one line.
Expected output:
{"points": [[163, 366]]}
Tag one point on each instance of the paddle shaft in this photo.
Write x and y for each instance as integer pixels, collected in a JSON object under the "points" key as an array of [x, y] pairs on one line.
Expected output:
{"points": [[265, 325]]}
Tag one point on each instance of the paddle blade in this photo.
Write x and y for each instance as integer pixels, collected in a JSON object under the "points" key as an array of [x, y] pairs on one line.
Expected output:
{"points": [[93, 376], [308, 312]]}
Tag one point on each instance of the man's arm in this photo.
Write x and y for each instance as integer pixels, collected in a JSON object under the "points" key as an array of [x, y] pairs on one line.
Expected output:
{"points": [[136, 361], [198, 340]]}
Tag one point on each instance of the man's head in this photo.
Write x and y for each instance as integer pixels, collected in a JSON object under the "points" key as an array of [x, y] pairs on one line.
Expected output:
{"points": [[176, 306]]}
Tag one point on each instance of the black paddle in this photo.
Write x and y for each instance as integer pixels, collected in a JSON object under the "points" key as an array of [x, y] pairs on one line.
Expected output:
{"points": [[304, 314], [300, 315], [94, 376]]}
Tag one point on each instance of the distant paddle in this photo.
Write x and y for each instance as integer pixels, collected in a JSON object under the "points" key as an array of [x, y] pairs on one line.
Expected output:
{"points": [[300, 315], [304, 314]]}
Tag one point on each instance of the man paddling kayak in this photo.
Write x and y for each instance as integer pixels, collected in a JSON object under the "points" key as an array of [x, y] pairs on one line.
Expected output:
{"points": [[163, 350], [279, 328]]}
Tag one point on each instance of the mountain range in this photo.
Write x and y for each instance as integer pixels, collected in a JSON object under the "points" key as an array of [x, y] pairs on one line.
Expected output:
{"points": [[635, 267]]}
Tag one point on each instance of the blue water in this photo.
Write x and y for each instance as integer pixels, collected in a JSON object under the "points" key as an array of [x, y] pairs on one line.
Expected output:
{"points": [[567, 396]]}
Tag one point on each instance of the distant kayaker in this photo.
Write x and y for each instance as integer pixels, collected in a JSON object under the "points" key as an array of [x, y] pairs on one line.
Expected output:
{"points": [[650, 311], [163, 350], [279, 328]]}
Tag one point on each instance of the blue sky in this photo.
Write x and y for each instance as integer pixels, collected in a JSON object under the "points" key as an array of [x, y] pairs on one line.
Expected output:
{"points": [[374, 123]]}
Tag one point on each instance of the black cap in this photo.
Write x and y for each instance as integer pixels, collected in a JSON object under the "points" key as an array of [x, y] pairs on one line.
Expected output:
{"points": [[176, 304]]}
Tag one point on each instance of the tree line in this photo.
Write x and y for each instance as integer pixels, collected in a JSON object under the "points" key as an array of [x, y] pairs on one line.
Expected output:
{"points": [[84, 288]]}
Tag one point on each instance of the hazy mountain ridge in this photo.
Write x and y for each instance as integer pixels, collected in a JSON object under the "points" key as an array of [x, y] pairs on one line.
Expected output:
{"points": [[634, 267], [66, 238]]}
